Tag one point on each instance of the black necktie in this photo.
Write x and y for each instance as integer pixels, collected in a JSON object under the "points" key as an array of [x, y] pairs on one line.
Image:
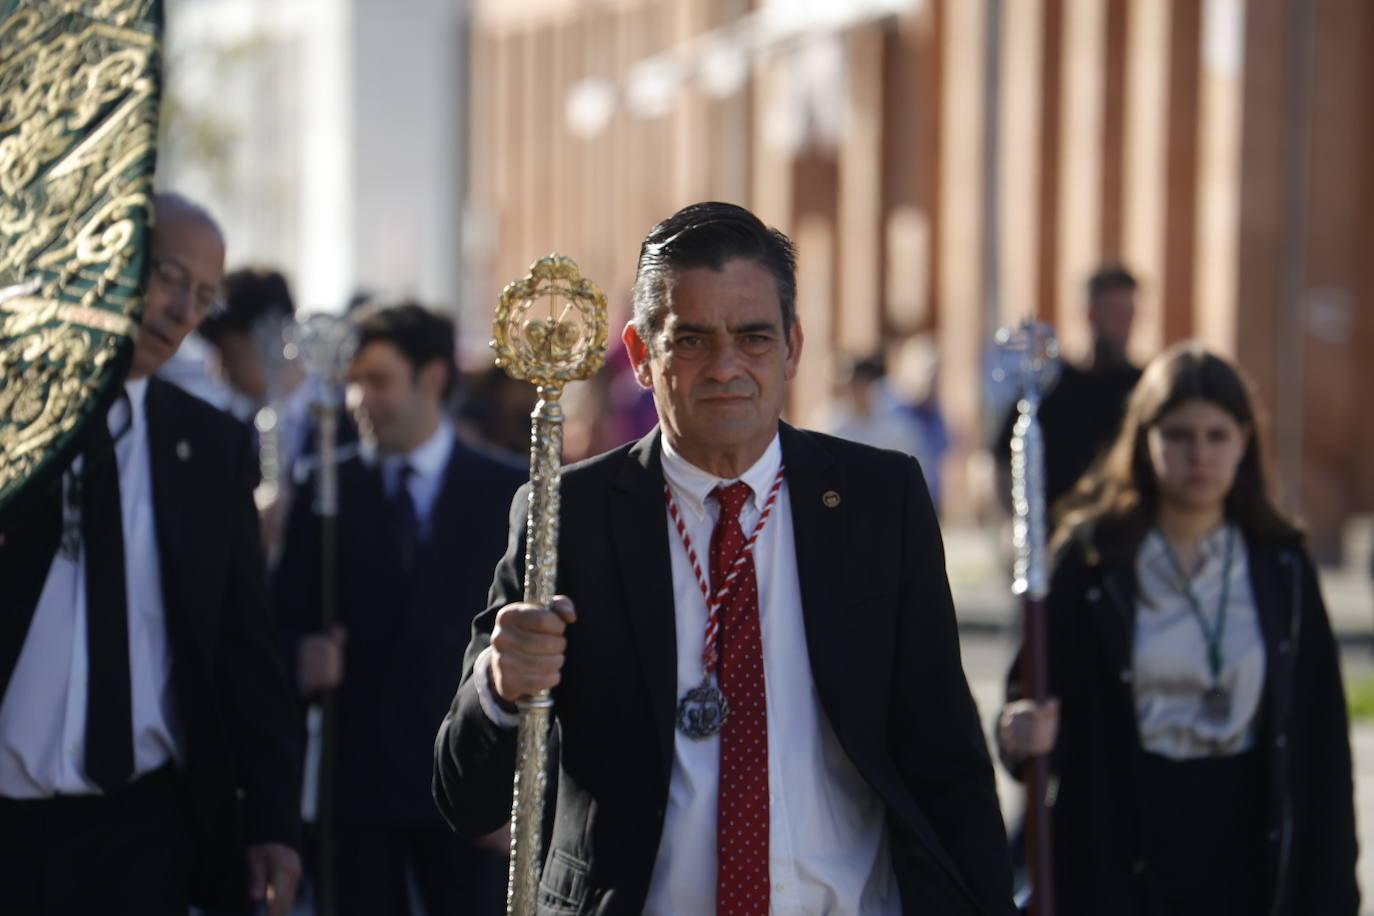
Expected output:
{"points": [[407, 520], [109, 715]]}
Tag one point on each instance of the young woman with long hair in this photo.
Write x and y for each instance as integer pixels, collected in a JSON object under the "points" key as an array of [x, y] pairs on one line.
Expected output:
{"points": [[1198, 732]]}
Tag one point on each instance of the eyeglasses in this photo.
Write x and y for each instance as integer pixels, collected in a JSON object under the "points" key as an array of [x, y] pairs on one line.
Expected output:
{"points": [[207, 300]]}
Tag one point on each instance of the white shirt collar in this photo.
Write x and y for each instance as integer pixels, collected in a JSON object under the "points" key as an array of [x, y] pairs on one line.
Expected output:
{"points": [[428, 459], [118, 419], [1154, 557], [691, 485]]}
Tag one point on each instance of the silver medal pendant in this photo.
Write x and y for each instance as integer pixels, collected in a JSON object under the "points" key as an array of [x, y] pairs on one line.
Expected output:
{"points": [[1216, 704], [702, 711]]}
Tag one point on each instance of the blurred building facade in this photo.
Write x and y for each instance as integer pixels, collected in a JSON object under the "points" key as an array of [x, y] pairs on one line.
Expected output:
{"points": [[328, 136], [946, 166]]}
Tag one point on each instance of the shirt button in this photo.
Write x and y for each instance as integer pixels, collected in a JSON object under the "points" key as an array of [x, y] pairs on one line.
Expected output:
{"points": [[1094, 593], [1127, 676], [1281, 740], [1274, 835], [1284, 647], [1138, 867]]}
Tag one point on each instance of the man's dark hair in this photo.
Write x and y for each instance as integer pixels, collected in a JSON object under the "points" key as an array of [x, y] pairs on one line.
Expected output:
{"points": [[250, 294], [1109, 277], [709, 235], [422, 336]]}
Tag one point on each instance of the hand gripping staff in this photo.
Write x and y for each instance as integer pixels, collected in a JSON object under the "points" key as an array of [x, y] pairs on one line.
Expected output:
{"points": [[1036, 354], [550, 329]]}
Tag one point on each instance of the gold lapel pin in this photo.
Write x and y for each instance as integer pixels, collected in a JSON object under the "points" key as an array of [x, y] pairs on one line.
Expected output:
{"points": [[831, 499], [184, 450]]}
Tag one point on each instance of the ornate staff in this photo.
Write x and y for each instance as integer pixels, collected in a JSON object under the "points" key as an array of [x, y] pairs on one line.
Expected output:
{"points": [[1036, 351], [550, 329], [326, 343]]}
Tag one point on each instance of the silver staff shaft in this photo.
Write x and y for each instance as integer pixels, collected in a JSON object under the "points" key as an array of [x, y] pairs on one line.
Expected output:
{"points": [[536, 712], [326, 342], [1037, 351], [269, 337], [1028, 501], [326, 416]]}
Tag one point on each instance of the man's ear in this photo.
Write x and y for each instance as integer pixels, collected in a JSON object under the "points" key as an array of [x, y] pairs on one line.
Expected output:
{"points": [[638, 351], [794, 349]]}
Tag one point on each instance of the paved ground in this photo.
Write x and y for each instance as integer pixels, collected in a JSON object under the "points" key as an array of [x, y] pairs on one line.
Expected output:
{"points": [[986, 622]]}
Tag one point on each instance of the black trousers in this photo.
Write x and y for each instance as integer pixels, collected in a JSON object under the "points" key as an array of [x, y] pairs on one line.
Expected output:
{"points": [[1204, 836], [76, 855], [451, 875]]}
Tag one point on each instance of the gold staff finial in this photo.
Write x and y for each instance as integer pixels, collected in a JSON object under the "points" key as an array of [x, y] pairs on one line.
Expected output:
{"points": [[550, 327]]}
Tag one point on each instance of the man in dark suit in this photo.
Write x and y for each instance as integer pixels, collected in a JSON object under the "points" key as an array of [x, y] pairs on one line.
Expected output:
{"points": [[802, 741], [421, 522], [1081, 414], [146, 736]]}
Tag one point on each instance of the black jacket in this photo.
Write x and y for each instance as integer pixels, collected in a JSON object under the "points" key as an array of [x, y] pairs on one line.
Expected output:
{"points": [[884, 654], [406, 631], [233, 705], [1101, 864]]}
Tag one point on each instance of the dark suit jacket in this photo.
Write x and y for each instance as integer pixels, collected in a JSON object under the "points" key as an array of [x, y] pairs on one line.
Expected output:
{"points": [[233, 705], [884, 652], [405, 632]]}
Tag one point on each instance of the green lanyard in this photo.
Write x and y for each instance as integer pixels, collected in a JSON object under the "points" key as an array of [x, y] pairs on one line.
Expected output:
{"points": [[1214, 634]]}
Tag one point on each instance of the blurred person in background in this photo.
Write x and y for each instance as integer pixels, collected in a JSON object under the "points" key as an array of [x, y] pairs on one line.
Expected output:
{"points": [[865, 409], [494, 409], [1083, 411], [1198, 730], [607, 410], [266, 390], [422, 520], [916, 382], [257, 305]]}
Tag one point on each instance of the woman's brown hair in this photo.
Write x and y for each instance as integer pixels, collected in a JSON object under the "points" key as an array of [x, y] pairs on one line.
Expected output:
{"points": [[1119, 496]]}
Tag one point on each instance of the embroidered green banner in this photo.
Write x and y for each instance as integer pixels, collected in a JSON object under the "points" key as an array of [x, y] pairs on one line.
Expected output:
{"points": [[79, 92]]}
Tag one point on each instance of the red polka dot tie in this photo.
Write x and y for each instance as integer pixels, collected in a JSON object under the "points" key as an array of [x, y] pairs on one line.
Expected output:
{"points": [[742, 807]]}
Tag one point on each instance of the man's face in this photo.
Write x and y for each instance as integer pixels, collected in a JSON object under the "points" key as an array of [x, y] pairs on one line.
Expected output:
{"points": [[241, 365], [187, 256], [1111, 314], [720, 364], [394, 405]]}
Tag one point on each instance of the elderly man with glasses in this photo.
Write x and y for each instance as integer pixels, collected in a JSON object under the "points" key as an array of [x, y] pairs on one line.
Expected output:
{"points": [[148, 755]]}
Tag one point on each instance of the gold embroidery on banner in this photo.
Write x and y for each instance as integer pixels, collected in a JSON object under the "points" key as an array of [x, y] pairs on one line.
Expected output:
{"points": [[78, 124]]}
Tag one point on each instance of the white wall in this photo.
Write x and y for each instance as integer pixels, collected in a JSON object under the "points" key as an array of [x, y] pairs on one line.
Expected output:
{"points": [[327, 136]]}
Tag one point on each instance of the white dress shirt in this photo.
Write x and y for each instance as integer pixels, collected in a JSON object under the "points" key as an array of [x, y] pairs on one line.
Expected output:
{"points": [[43, 714], [428, 461], [1171, 668], [828, 843]]}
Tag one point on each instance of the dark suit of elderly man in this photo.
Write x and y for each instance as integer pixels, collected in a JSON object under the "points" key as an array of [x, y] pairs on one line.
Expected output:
{"points": [[755, 666]]}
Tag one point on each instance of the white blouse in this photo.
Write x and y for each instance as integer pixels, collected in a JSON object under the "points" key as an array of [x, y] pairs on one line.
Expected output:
{"points": [[1172, 673]]}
